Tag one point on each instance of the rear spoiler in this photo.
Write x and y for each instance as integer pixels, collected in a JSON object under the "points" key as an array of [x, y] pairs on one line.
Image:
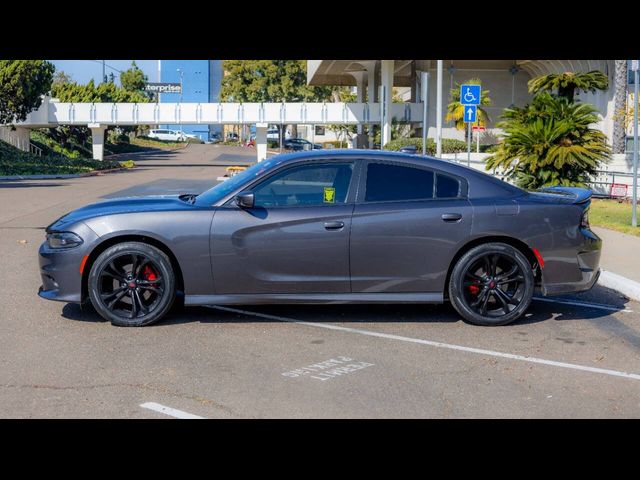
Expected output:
{"points": [[580, 195]]}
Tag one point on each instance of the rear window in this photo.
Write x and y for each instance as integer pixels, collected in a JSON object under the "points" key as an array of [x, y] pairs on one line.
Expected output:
{"points": [[447, 187], [386, 183]]}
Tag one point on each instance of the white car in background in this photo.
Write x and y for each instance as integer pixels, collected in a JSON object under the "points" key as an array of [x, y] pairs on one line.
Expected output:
{"points": [[189, 135], [167, 135]]}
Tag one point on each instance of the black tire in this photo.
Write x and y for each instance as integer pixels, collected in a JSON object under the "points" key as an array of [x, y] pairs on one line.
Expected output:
{"points": [[130, 298], [491, 284]]}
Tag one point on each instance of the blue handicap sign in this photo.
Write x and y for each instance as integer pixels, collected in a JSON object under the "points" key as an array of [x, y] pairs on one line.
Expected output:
{"points": [[470, 113], [470, 94]]}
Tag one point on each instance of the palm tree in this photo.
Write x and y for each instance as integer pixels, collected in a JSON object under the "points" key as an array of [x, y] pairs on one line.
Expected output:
{"points": [[455, 109], [550, 142], [568, 82], [620, 106]]}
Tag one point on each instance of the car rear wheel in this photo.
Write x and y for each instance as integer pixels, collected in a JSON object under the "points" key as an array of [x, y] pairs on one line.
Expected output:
{"points": [[132, 284], [491, 284]]}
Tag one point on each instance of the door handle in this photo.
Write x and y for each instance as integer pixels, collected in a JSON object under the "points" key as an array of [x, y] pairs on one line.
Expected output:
{"points": [[451, 217], [333, 225]]}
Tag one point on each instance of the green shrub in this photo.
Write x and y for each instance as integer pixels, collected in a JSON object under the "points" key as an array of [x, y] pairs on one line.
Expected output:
{"points": [[335, 144], [194, 140], [449, 145], [17, 162], [127, 164], [272, 143]]}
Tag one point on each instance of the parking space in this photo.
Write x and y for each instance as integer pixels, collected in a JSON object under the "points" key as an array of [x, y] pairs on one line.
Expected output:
{"points": [[570, 357]]}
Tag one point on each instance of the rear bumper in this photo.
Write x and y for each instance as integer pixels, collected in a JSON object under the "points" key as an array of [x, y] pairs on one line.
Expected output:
{"points": [[580, 270]]}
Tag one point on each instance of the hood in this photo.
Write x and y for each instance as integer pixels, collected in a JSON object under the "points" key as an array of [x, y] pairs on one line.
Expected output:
{"points": [[158, 203]]}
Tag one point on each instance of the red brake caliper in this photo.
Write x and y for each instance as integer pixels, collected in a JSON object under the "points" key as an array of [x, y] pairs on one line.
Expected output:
{"points": [[149, 274], [474, 289]]}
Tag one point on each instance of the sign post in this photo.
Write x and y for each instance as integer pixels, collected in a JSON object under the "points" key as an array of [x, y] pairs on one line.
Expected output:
{"points": [[478, 129], [470, 99], [424, 84], [634, 68]]}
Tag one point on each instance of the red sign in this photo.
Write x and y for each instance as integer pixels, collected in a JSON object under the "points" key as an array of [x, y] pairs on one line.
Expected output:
{"points": [[618, 190], [476, 128]]}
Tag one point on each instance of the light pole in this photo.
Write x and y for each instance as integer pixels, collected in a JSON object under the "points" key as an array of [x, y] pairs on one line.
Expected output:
{"points": [[181, 77], [634, 67]]}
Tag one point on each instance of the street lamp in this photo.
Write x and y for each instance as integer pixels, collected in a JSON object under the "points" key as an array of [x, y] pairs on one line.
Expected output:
{"points": [[181, 77]]}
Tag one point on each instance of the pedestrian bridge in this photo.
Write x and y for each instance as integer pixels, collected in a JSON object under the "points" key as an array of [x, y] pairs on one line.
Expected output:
{"points": [[99, 116], [53, 113]]}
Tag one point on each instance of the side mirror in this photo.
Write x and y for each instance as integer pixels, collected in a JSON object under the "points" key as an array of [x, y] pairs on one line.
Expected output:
{"points": [[245, 199]]}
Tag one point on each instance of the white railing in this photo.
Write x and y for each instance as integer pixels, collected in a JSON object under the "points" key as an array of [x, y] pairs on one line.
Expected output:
{"points": [[12, 138], [223, 113]]}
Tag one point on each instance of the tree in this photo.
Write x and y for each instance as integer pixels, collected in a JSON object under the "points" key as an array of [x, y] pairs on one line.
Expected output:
{"points": [[105, 92], [550, 142], [269, 81], [455, 109], [567, 83], [620, 106], [61, 77], [133, 79], [22, 84]]}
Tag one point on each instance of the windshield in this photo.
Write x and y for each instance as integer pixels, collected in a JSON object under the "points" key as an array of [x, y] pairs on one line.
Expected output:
{"points": [[224, 188]]}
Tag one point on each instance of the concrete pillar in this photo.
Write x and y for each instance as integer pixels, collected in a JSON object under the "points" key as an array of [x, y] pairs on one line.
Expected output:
{"points": [[371, 94], [97, 137], [360, 97], [386, 78], [261, 141], [439, 110]]}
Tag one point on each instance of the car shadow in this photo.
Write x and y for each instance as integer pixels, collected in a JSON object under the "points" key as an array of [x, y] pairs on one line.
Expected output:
{"points": [[370, 313]]}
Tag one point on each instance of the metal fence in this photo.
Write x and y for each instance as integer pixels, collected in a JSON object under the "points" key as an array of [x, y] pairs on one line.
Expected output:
{"points": [[603, 180]]}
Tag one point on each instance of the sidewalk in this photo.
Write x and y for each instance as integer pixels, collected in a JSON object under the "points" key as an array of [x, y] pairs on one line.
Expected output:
{"points": [[620, 262]]}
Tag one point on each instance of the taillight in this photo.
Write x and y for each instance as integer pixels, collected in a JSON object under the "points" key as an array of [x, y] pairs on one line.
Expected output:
{"points": [[584, 221]]}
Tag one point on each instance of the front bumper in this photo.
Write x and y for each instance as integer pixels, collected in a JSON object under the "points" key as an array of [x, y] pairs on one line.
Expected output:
{"points": [[60, 268]]}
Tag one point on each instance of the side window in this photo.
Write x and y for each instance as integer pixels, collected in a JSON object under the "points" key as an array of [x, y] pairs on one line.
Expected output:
{"points": [[386, 183], [447, 187], [314, 184]]}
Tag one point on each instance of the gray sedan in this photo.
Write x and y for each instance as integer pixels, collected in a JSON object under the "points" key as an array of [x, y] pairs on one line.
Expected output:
{"points": [[339, 226]]}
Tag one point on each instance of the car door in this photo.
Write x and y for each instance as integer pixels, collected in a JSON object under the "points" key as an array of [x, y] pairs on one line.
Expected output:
{"points": [[407, 224], [296, 237]]}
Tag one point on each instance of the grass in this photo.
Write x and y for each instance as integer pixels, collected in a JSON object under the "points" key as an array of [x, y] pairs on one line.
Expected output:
{"points": [[612, 215], [17, 162]]}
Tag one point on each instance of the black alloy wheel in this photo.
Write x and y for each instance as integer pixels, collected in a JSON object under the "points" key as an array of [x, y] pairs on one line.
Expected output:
{"points": [[132, 284], [492, 284]]}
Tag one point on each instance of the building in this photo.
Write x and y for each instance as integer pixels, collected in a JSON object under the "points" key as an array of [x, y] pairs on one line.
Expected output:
{"points": [[505, 79], [201, 81]]}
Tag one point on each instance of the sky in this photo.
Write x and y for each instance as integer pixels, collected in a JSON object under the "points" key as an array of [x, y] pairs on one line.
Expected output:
{"points": [[82, 71]]}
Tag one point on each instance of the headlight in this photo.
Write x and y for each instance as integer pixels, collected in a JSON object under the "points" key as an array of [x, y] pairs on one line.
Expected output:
{"points": [[63, 240]]}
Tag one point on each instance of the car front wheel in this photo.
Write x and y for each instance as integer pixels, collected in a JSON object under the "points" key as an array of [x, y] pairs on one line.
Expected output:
{"points": [[132, 284], [491, 284]]}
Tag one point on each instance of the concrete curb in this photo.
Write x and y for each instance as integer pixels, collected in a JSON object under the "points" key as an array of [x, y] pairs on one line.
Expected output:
{"points": [[93, 173], [624, 285]]}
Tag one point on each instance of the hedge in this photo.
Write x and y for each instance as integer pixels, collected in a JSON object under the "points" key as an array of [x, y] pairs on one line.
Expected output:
{"points": [[449, 145], [17, 162]]}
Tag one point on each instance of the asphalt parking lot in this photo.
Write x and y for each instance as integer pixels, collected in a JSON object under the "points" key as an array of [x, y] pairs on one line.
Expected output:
{"points": [[573, 357]]}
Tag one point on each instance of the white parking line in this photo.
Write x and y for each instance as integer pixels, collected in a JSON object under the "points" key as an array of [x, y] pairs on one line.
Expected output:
{"points": [[491, 353], [599, 306], [169, 411]]}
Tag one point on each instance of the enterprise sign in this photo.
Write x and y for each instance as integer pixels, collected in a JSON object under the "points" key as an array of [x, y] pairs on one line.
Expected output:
{"points": [[163, 87]]}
